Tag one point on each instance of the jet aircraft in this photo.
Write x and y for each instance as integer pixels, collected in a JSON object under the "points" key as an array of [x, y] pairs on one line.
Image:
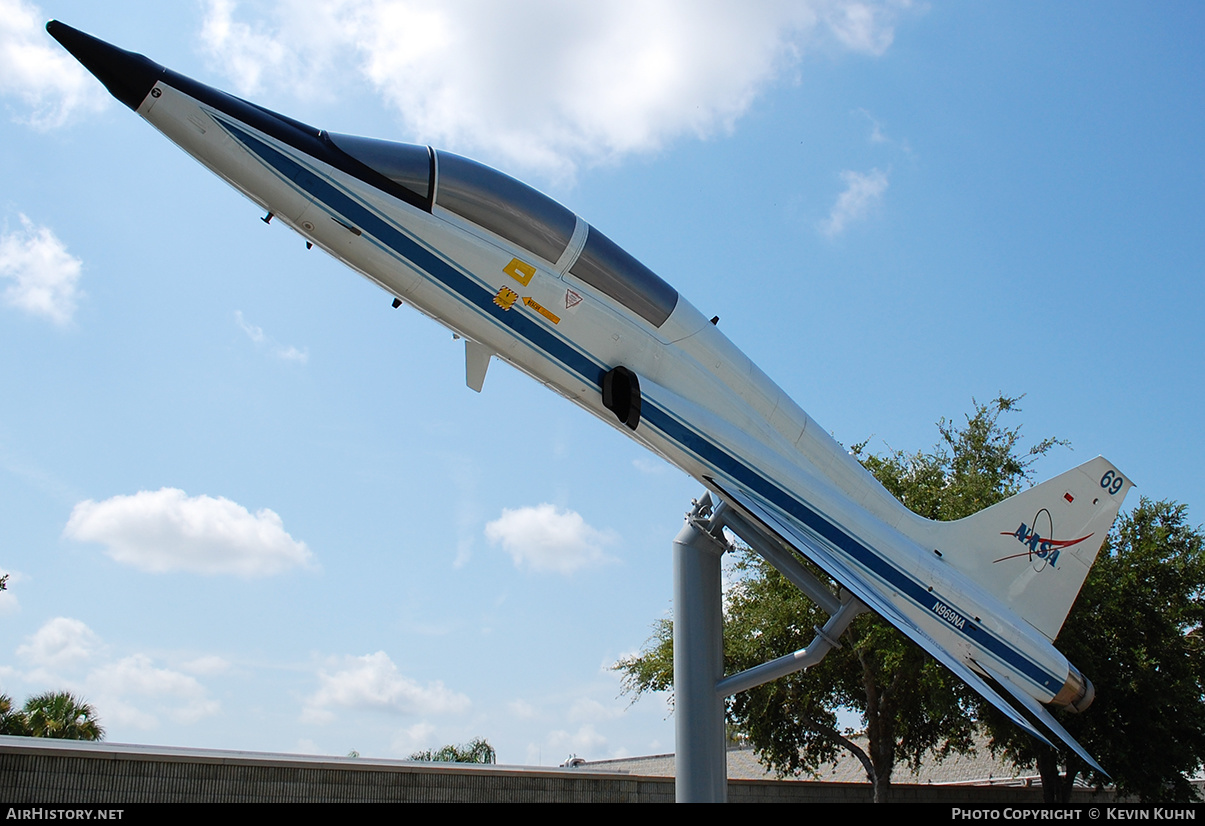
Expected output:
{"points": [[523, 279]]}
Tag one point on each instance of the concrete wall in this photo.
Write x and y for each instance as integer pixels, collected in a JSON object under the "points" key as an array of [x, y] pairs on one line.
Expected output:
{"points": [[48, 772]]}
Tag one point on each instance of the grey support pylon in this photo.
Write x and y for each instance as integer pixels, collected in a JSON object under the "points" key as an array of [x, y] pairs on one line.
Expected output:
{"points": [[701, 757], [700, 686]]}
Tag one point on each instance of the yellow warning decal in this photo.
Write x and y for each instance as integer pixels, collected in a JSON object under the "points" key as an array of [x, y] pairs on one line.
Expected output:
{"points": [[548, 314], [506, 298], [520, 271]]}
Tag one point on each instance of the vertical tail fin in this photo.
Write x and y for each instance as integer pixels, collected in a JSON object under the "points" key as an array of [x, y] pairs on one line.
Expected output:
{"points": [[1034, 550]]}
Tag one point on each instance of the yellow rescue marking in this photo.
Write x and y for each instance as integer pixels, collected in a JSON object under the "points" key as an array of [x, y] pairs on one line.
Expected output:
{"points": [[520, 271], [548, 314], [506, 298]]}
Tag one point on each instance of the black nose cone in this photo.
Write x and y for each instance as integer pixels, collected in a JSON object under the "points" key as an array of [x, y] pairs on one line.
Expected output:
{"points": [[128, 76]]}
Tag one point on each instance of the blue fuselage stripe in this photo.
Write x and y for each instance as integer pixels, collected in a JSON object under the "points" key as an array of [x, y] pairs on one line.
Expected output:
{"points": [[710, 454]]}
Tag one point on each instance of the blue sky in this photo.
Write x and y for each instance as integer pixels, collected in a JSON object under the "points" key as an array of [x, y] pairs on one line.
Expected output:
{"points": [[244, 503]]}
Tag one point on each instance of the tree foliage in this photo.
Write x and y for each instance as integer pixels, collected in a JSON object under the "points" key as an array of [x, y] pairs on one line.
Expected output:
{"points": [[12, 719], [910, 705], [476, 751], [971, 468], [59, 715]]}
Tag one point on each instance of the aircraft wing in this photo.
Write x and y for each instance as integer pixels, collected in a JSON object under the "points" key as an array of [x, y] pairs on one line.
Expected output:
{"points": [[798, 537]]}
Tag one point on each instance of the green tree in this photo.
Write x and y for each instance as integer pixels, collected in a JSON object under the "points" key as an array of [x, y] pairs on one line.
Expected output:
{"points": [[971, 468], [63, 716], [911, 705], [1136, 632], [477, 751], [12, 720]]}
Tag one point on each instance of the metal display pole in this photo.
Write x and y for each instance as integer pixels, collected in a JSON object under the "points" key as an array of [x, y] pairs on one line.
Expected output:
{"points": [[701, 758], [700, 687]]}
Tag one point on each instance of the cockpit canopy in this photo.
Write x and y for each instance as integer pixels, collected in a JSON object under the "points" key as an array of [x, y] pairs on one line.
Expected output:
{"points": [[504, 206], [516, 212], [607, 267], [405, 164]]}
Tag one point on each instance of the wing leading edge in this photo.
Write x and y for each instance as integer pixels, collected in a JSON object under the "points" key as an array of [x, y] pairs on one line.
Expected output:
{"points": [[798, 537]]}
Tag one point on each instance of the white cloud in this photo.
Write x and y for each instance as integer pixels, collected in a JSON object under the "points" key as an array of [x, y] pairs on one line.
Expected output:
{"points": [[522, 709], [585, 742], [877, 135], [256, 334], [60, 643], [544, 538], [373, 683], [307, 746], [246, 54], [862, 27], [211, 664], [587, 709], [260, 338], [417, 737], [541, 85], [50, 83], [863, 191], [132, 688], [44, 276], [166, 530], [131, 691]]}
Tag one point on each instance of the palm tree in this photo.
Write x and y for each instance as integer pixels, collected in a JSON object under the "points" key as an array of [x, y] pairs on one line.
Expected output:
{"points": [[12, 720], [477, 751], [63, 716]]}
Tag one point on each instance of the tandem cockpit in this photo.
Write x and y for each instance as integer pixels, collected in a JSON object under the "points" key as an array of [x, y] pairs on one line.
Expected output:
{"points": [[428, 178]]}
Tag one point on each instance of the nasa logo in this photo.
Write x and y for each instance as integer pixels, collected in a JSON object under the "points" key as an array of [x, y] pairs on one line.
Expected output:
{"points": [[1042, 551]]}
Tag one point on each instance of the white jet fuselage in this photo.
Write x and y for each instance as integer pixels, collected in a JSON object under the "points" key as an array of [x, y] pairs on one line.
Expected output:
{"points": [[703, 397], [542, 306]]}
